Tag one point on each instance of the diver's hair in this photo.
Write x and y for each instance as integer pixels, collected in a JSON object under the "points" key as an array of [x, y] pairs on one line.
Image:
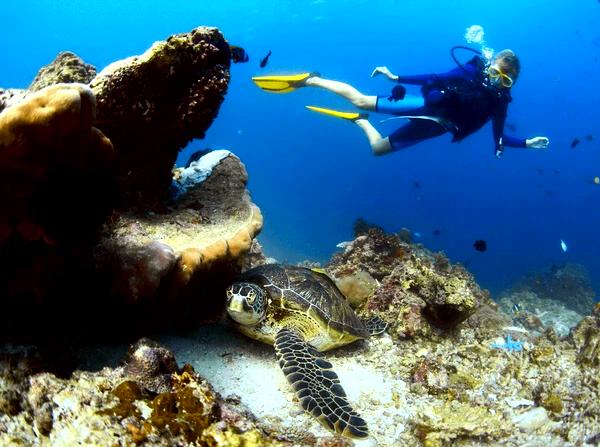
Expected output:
{"points": [[508, 61]]}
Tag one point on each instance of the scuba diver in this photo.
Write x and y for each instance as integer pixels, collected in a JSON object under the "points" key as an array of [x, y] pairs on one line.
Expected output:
{"points": [[459, 101]]}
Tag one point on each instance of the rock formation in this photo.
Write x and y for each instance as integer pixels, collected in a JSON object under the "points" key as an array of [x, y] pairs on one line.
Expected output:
{"points": [[90, 230]]}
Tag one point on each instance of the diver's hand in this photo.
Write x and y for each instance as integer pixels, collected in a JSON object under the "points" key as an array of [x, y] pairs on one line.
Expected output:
{"points": [[537, 143], [499, 152], [384, 71]]}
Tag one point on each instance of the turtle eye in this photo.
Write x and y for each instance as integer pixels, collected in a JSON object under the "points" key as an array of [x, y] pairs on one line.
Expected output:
{"points": [[251, 297]]}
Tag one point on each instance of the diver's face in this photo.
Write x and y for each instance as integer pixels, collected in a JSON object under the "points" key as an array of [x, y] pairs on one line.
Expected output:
{"points": [[498, 78]]}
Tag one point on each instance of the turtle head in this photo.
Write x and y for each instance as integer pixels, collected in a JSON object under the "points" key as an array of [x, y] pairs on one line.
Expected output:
{"points": [[246, 303]]}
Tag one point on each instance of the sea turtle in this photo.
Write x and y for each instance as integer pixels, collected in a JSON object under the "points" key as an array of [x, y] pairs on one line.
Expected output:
{"points": [[302, 313]]}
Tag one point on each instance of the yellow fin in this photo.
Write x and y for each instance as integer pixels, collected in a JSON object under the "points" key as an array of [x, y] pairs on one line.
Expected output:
{"points": [[344, 115], [281, 84]]}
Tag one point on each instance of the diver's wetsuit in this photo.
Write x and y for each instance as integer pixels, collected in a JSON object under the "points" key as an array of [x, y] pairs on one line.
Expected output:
{"points": [[462, 100]]}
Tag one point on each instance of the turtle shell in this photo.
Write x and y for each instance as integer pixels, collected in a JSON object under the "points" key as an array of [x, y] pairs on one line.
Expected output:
{"points": [[308, 291]]}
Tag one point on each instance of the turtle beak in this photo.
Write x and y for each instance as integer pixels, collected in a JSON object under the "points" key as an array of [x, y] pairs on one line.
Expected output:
{"points": [[236, 304]]}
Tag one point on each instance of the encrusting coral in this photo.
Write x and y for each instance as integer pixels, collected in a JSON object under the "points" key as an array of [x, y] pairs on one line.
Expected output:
{"points": [[586, 338], [67, 67], [122, 407], [419, 291]]}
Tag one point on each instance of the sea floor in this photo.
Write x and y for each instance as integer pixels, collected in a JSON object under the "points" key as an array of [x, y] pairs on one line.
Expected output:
{"points": [[376, 375]]}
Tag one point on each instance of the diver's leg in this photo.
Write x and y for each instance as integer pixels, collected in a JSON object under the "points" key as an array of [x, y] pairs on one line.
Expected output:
{"points": [[411, 105], [345, 90], [414, 132], [379, 145]]}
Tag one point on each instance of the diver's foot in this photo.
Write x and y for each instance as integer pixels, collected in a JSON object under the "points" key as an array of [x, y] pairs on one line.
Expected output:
{"points": [[307, 80]]}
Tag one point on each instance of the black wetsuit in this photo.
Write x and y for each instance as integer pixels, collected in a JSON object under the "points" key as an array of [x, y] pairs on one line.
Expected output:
{"points": [[461, 100]]}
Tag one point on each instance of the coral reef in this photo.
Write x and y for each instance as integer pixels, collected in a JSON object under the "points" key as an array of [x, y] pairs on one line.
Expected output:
{"points": [[85, 215], [420, 291], [439, 426], [361, 226], [538, 314], [418, 385], [67, 67], [568, 283], [256, 257], [586, 337], [117, 407], [152, 105]]}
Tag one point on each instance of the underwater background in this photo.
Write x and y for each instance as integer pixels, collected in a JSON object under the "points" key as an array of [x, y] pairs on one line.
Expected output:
{"points": [[313, 176]]}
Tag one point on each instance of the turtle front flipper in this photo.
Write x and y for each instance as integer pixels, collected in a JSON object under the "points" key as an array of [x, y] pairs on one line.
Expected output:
{"points": [[317, 386]]}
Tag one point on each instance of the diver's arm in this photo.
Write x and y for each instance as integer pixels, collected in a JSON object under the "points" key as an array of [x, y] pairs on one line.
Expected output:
{"points": [[502, 140], [416, 79]]}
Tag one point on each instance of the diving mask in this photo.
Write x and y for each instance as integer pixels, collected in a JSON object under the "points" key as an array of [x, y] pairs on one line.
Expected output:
{"points": [[498, 76]]}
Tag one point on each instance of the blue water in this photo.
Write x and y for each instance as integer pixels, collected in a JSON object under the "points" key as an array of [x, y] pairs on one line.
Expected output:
{"points": [[312, 175]]}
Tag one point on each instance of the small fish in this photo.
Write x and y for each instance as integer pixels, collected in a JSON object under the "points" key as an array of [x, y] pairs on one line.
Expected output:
{"points": [[575, 142], [436, 232], [238, 54], [563, 245], [265, 60], [596, 180], [516, 308], [480, 245], [511, 127], [589, 137], [417, 234], [540, 171], [416, 184]]}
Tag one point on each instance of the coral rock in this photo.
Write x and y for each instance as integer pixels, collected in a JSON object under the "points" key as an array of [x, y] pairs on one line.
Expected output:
{"points": [[444, 424], [116, 406], [255, 256], [151, 365], [586, 337], [374, 252], [152, 105], [90, 234], [357, 287], [67, 67], [419, 290], [56, 175], [205, 234]]}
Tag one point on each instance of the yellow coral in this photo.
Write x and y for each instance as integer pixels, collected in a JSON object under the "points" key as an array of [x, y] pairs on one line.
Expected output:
{"points": [[442, 424], [218, 436]]}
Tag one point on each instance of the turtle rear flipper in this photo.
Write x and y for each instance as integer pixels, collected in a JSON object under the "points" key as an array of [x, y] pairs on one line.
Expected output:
{"points": [[375, 325], [317, 386]]}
